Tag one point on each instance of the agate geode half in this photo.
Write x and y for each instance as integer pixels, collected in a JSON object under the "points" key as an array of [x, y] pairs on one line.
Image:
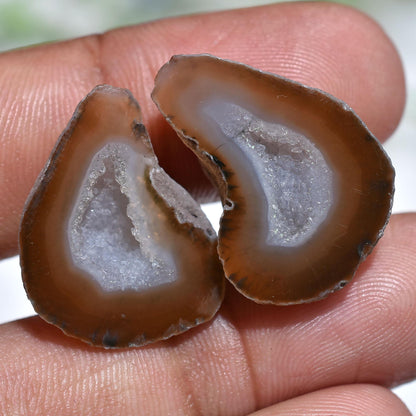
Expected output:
{"points": [[116, 253], [113, 251], [306, 188]]}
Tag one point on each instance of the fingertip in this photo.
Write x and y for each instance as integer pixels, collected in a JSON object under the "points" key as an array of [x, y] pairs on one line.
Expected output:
{"points": [[326, 45], [357, 400]]}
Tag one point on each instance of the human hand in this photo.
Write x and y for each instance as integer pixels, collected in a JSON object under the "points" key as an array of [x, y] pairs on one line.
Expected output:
{"points": [[329, 357]]}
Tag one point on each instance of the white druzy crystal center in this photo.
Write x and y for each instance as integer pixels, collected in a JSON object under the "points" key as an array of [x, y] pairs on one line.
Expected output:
{"points": [[295, 177], [114, 231]]}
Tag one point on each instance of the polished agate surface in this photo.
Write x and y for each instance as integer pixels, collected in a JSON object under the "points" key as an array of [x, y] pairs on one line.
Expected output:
{"points": [[306, 188], [113, 251]]}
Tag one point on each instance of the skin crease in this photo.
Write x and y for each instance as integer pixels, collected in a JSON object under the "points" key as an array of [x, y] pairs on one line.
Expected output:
{"points": [[274, 360]]}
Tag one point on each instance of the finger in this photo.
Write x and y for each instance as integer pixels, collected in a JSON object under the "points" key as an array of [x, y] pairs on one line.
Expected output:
{"points": [[357, 400], [364, 333], [40, 86], [249, 357]]}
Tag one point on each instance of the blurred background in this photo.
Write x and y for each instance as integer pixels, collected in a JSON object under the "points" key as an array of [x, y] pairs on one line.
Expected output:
{"points": [[24, 22]]}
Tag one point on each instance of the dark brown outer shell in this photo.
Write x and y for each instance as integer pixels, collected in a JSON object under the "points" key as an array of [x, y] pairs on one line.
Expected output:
{"points": [[328, 261], [62, 294]]}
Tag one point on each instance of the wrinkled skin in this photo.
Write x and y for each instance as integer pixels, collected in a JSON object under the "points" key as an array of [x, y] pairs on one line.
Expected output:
{"points": [[334, 357]]}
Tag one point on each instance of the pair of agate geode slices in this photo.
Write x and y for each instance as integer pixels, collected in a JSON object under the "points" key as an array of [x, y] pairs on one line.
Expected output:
{"points": [[115, 253]]}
